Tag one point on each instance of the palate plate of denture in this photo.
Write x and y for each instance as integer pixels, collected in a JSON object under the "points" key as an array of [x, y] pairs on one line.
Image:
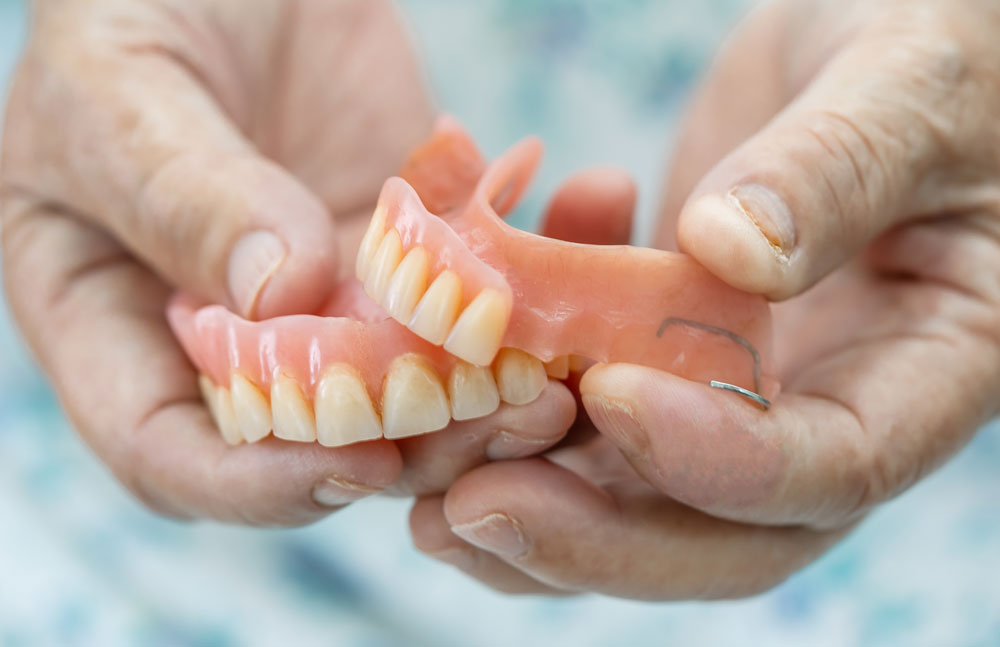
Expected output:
{"points": [[453, 312]]}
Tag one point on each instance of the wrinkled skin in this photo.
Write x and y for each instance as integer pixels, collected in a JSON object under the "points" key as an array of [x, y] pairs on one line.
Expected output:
{"points": [[874, 121], [142, 141]]}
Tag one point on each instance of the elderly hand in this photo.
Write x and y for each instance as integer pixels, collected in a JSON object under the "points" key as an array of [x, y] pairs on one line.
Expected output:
{"points": [[234, 152], [841, 158]]}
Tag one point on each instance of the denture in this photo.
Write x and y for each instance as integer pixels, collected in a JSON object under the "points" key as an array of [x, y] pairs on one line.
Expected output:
{"points": [[452, 312]]}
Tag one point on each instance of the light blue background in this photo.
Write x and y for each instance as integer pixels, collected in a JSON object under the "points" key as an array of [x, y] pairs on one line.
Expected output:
{"points": [[82, 563]]}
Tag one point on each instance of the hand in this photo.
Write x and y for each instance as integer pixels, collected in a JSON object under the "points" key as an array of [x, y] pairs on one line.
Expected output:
{"points": [[841, 157], [235, 154]]}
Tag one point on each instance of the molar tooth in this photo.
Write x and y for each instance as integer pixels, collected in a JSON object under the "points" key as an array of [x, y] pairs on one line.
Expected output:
{"points": [[253, 413], [413, 398], [370, 243], [383, 265], [407, 285], [472, 391], [292, 415], [480, 328], [520, 376], [438, 308], [344, 412], [558, 367]]}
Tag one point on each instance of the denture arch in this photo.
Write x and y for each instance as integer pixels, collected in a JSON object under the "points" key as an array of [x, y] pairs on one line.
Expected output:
{"points": [[553, 299]]}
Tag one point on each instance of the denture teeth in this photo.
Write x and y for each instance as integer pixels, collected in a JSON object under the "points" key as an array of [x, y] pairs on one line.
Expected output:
{"points": [[292, 415], [407, 285], [479, 330], [370, 243], [472, 391], [558, 367], [220, 405], [520, 377], [436, 312], [344, 412], [253, 413], [387, 258], [413, 398]]}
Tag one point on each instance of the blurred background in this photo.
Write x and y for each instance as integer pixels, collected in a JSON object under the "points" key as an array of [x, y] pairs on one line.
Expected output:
{"points": [[82, 563]]}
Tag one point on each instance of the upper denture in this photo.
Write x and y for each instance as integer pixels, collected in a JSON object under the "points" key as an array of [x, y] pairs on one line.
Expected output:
{"points": [[552, 299]]}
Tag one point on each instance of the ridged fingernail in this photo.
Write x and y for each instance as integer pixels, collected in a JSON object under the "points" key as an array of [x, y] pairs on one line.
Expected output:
{"points": [[497, 533], [616, 420], [334, 492], [255, 258], [768, 213], [506, 445]]}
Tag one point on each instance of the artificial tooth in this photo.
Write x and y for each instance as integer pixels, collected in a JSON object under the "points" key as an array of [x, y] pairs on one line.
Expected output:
{"points": [[407, 285], [579, 363], [207, 387], [413, 398], [436, 312], [253, 413], [383, 265], [558, 367], [220, 405], [344, 412], [370, 242], [292, 416], [480, 328], [520, 376], [472, 391]]}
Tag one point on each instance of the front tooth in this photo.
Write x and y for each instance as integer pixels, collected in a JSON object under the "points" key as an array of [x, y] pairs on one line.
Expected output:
{"points": [[293, 417], [407, 285], [520, 376], [413, 398], [253, 413], [344, 412], [436, 312], [472, 391], [477, 333], [558, 367], [372, 239], [383, 265]]}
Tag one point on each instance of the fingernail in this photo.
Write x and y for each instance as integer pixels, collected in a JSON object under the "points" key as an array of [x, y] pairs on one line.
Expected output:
{"points": [[616, 419], [461, 558], [506, 445], [254, 260], [497, 533], [769, 214], [335, 492]]}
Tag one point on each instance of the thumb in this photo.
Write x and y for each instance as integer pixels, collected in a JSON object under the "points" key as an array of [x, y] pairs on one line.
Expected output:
{"points": [[152, 157], [840, 165]]}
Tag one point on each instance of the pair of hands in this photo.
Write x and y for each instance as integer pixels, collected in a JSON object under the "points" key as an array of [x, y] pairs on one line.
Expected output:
{"points": [[840, 158]]}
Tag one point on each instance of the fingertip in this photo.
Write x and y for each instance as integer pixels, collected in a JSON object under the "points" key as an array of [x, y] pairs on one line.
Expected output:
{"points": [[594, 206], [699, 445], [727, 238]]}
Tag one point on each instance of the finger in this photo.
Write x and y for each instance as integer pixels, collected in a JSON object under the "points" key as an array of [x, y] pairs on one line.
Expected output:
{"points": [[838, 166], [627, 545], [432, 536], [151, 155], [853, 429], [433, 461], [594, 206], [743, 90], [94, 318]]}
